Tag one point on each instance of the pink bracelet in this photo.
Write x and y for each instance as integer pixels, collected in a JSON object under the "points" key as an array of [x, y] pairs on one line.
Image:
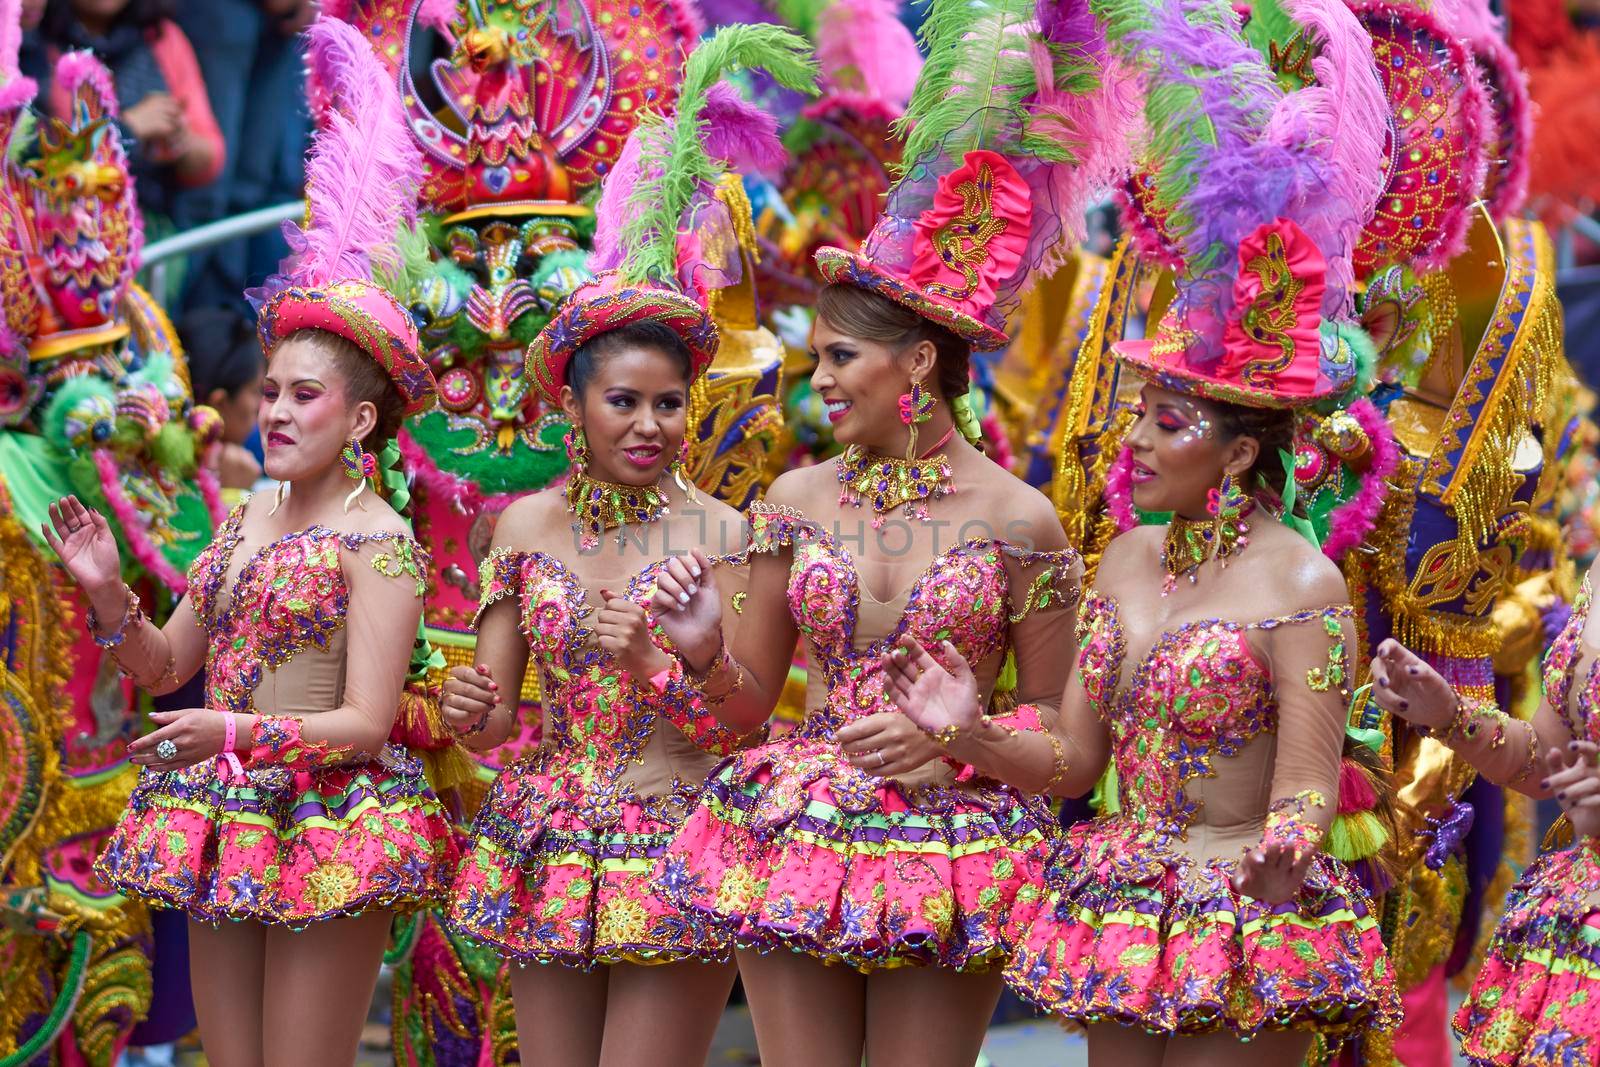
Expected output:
{"points": [[229, 769]]}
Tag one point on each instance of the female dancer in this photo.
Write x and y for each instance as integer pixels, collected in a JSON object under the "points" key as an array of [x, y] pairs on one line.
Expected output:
{"points": [[280, 804], [561, 868], [1533, 1001], [1213, 652], [853, 840]]}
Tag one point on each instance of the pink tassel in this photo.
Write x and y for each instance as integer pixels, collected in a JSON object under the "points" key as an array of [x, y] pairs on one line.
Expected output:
{"points": [[863, 47], [1351, 521], [1355, 789], [1119, 492], [133, 527]]}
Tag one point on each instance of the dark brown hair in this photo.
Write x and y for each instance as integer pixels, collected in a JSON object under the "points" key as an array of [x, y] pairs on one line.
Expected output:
{"points": [[587, 359], [877, 318], [364, 379], [1272, 429]]}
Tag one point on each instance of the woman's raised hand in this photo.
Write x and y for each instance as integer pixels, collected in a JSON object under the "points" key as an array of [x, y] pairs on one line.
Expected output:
{"points": [[1405, 685], [688, 608], [82, 539], [932, 694]]}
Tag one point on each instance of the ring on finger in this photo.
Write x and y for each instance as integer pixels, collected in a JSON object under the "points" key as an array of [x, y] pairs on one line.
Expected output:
{"points": [[881, 758], [167, 750]]}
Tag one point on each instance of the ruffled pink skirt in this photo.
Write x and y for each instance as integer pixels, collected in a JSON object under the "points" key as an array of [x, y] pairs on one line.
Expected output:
{"points": [[1129, 932], [557, 872], [792, 847], [1537, 999], [288, 847]]}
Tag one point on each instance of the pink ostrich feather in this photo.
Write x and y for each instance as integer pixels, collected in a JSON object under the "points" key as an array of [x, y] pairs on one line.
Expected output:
{"points": [[1351, 521], [862, 46], [1343, 118], [364, 169], [10, 44], [1099, 127], [1119, 492], [612, 212], [80, 68], [741, 134]]}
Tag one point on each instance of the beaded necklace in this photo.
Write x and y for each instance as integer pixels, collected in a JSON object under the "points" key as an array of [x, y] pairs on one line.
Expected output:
{"points": [[889, 482], [603, 506]]}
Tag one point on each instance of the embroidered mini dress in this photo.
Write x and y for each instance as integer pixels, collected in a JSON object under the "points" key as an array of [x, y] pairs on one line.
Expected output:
{"points": [[303, 835], [792, 847], [1536, 1000], [560, 865], [1139, 922]]}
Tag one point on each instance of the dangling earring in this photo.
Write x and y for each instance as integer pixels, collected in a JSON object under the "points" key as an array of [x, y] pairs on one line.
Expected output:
{"points": [[1228, 504], [277, 501], [360, 465], [916, 407], [577, 449], [679, 468]]}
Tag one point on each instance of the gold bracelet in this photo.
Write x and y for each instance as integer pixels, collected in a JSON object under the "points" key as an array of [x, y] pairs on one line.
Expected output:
{"points": [[1529, 765], [945, 736], [1058, 762]]}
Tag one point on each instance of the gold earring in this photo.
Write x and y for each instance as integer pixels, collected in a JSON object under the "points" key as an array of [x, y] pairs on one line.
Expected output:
{"points": [[277, 502]]}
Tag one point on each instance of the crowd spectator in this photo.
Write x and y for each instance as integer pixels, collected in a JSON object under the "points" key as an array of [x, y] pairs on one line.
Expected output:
{"points": [[225, 367], [249, 52], [169, 131]]}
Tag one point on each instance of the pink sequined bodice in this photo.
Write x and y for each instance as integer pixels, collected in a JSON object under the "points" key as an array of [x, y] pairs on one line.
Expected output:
{"points": [[290, 597], [1562, 665], [1198, 694], [588, 702], [964, 596], [603, 732]]}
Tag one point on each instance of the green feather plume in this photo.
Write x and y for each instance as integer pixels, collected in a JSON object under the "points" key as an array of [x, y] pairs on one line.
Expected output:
{"points": [[411, 266], [978, 65], [661, 198], [23, 135]]}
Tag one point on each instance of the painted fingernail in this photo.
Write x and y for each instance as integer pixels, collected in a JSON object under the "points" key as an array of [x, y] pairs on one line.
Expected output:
{"points": [[1544, 783], [694, 569], [1573, 745], [1383, 683], [693, 589], [683, 598], [1405, 705], [1412, 671]]}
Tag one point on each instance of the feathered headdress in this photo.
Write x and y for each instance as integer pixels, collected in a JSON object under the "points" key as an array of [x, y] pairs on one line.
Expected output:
{"points": [[663, 238], [1020, 112], [1261, 192], [362, 179]]}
